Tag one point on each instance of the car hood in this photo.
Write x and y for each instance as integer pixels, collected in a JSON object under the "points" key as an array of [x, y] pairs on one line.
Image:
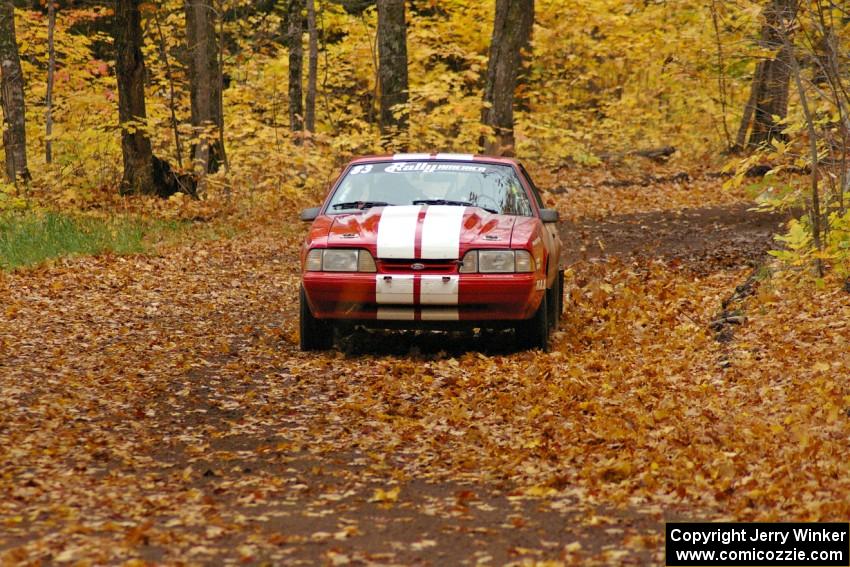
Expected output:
{"points": [[437, 232]]}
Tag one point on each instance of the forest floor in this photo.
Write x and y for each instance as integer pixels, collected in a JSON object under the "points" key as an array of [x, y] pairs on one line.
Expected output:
{"points": [[156, 408]]}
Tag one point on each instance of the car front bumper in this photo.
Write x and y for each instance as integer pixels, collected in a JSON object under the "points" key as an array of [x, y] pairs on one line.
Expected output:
{"points": [[423, 298]]}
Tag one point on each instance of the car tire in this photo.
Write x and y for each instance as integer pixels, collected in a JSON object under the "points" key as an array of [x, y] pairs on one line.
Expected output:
{"points": [[552, 304], [534, 332], [315, 333], [556, 301], [560, 308]]}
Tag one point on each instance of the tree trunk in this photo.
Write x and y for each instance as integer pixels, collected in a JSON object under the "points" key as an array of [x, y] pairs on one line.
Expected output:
{"points": [[769, 94], [163, 52], [12, 85], [296, 65], [220, 85], [130, 69], [721, 71], [749, 108], [51, 69], [392, 67], [815, 210], [204, 79], [511, 33], [831, 68], [312, 67]]}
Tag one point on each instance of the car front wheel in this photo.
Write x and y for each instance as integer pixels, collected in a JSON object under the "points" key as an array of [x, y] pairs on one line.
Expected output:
{"points": [[315, 333], [534, 332], [559, 308], [554, 300]]}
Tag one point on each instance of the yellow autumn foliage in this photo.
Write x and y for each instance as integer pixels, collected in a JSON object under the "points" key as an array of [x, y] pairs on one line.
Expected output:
{"points": [[604, 77]]}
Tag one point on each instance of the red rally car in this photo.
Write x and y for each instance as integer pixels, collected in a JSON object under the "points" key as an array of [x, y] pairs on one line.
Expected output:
{"points": [[431, 241]]}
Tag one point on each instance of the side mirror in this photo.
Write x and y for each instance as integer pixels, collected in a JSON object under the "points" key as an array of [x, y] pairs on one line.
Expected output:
{"points": [[310, 214], [549, 215]]}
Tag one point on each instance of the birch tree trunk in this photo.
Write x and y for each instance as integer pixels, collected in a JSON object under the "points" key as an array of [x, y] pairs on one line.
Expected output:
{"points": [[14, 110], [511, 33]]}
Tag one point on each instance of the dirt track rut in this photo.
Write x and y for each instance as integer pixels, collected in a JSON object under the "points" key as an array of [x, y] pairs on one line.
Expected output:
{"points": [[704, 239]]}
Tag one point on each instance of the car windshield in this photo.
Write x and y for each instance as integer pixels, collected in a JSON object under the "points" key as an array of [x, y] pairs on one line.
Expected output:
{"points": [[495, 188]]}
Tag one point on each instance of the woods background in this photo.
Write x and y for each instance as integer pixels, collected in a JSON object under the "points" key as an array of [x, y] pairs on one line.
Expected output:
{"points": [[155, 407], [275, 95], [256, 104]]}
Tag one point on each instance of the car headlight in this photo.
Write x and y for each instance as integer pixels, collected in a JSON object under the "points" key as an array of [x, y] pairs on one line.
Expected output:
{"points": [[339, 260], [365, 262], [496, 262], [470, 263], [314, 260], [524, 261]]}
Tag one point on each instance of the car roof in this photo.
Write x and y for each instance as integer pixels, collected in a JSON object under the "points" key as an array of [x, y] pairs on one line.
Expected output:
{"points": [[435, 157]]}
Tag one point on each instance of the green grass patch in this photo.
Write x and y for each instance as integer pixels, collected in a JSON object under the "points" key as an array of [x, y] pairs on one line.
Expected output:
{"points": [[28, 238]]}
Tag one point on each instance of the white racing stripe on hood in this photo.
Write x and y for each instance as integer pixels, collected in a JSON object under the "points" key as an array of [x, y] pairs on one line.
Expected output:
{"points": [[441, 232], [397, 231]]}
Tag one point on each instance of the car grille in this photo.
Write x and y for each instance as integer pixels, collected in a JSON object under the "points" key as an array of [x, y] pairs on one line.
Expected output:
{"points": [[428, 266]]}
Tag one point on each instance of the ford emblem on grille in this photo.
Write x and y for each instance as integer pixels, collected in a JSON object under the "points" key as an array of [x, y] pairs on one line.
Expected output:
{"points": [[418, 266]]}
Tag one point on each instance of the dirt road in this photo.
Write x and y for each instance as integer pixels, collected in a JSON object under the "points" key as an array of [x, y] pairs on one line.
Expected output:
{"points": [[157, 409], [704, 239]]}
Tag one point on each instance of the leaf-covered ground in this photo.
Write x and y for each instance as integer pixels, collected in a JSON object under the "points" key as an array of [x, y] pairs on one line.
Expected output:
{"points": [[157, 409]]}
